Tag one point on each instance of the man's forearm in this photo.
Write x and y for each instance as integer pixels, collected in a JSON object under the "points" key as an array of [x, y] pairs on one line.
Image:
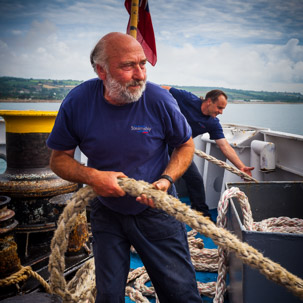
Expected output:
{"points": [[180, 160], [66, 167], [104, 183], [232, 156], [230, 153]]}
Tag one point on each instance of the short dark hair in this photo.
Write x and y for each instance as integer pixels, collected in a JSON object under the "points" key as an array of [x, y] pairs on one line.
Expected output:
{"points": [[214, 95]]}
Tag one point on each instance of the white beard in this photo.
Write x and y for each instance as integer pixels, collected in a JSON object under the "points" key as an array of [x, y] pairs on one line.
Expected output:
{"points": [[120, 93]]}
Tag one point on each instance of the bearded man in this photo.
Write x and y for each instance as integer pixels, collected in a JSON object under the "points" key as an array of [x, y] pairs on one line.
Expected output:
{"points": [[123, 125]]}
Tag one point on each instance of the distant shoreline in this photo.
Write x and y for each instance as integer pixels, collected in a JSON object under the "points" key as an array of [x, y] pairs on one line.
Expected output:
{"points": [[262, 102], [59, 101]]}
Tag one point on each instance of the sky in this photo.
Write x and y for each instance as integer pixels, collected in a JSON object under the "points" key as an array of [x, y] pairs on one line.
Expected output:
{"points": [[240, 44]]}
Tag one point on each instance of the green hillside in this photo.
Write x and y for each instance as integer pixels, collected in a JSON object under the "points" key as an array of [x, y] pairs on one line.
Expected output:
{"points": [[55, 90], [248, 95], [35, 89]]}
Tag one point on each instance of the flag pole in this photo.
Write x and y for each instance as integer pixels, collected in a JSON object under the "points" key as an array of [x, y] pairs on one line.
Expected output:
{"points": [[134, 18]]}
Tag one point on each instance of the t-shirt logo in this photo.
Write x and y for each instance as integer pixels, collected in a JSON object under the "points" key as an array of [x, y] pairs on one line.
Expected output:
{"points": [[141, 129]]}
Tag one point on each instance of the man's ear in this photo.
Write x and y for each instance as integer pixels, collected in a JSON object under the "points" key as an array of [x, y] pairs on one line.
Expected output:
{"points": [[101, 72]]}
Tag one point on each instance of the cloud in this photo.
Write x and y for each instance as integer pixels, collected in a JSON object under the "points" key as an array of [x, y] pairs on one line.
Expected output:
{"points": [[39, 53], [293, 50], [254, 67], [233, 44], [233, 21]]}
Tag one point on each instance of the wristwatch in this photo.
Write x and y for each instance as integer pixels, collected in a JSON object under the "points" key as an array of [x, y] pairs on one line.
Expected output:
{"points": [[167, 177]]}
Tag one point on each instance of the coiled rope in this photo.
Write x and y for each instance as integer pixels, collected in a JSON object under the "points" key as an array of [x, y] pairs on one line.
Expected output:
{"points": [[181, 212], [221, 222], [281, 224]]}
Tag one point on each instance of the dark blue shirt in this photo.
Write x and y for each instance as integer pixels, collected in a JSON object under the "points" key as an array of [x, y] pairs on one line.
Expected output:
{"points": [[131, 138], [190, 106]]}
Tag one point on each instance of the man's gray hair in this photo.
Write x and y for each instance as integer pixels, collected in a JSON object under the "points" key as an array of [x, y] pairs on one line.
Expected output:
{"points": [[99, 56]]}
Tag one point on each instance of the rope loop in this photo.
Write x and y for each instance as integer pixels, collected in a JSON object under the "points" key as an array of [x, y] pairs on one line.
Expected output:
{"points": [[22, 275]]}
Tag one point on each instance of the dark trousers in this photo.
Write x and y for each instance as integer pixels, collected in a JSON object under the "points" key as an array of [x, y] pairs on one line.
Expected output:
{"points": [[161, 242], [195, 188]]}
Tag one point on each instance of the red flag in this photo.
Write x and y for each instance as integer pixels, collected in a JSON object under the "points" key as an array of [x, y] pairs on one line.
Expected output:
{"points": [[145, 31]]}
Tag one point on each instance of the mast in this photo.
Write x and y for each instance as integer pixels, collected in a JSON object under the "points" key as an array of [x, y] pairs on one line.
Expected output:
{"points": [[134, 18], [140, 27]]}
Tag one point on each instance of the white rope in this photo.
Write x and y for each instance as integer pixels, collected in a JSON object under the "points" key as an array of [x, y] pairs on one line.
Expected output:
{"points": [[281, 224], [223, 164]]}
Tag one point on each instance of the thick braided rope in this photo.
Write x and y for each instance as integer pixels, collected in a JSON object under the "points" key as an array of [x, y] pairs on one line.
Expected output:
{"points": [[82, 287], [205, 253], [141, 290], [195, 242], [23, 274], [245, 207], [223, 164], [207, 289], [134, 274], [280, 224], [183, 213], [140, 285], [204, 259], [222, 222], [83, 284], [135, 295], [59, 243], [220, 236]]}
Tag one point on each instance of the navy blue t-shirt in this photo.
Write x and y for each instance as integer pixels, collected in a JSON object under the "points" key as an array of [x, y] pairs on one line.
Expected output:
{"points": [[131, 138], [190, 106]]}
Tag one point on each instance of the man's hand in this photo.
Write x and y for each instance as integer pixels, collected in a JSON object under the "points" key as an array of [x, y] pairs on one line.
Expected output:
{"points": [[105, 183], [247, 170], [161, 184]]}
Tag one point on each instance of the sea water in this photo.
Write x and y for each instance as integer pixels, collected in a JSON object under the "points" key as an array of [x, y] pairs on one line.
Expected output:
{"points": [[278, 117]]}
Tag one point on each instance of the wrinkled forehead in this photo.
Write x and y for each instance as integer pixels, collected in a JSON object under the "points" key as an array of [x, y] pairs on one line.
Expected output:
{"points": [[124, 48]]}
